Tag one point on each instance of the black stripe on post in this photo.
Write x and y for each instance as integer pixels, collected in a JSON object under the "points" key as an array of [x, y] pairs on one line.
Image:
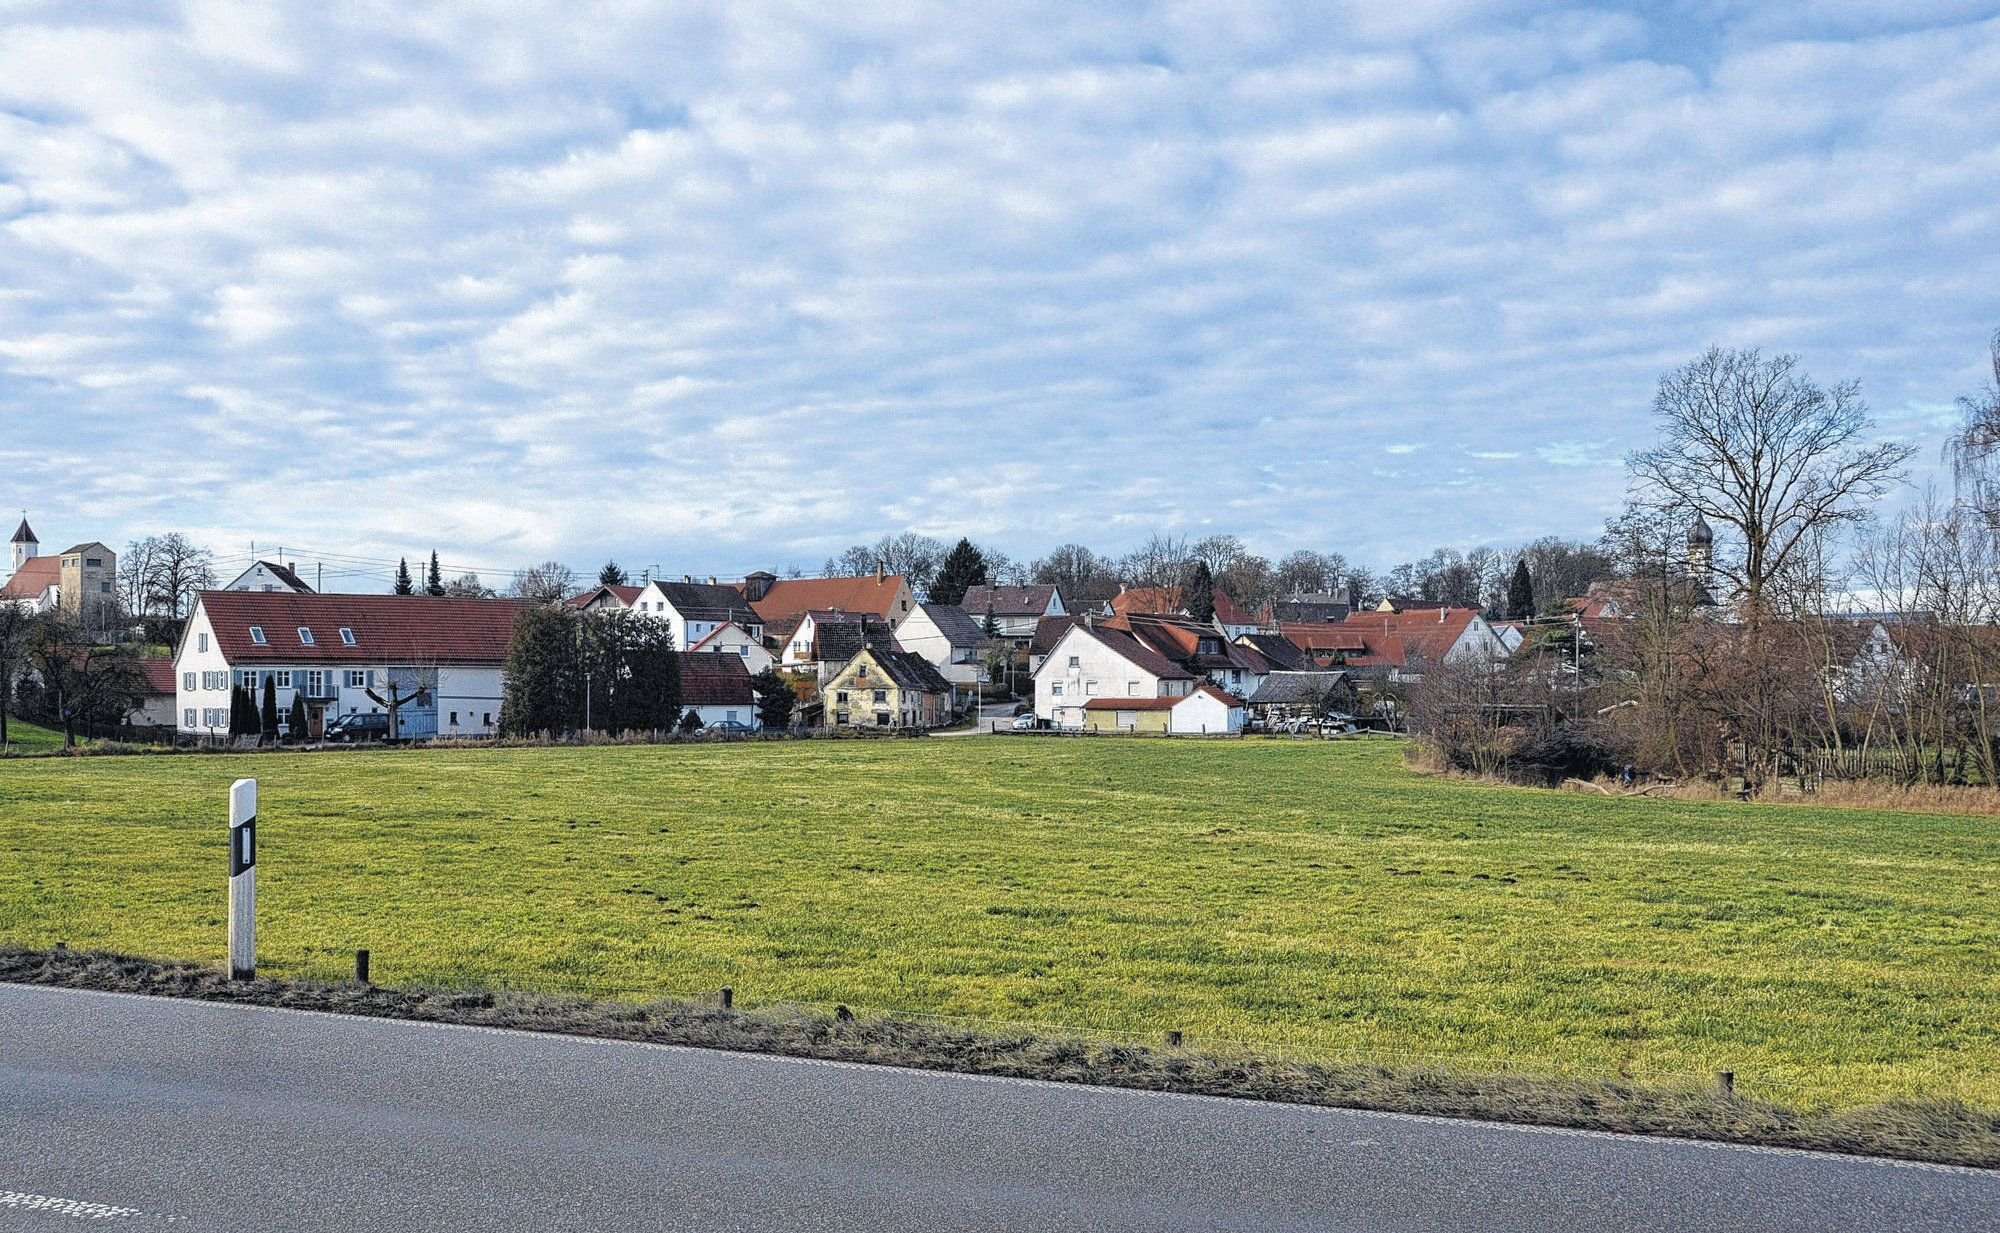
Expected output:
{"points": [[242, 847]]}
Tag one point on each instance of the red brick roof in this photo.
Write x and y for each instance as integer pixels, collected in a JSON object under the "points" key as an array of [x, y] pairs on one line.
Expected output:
{"points": [[160, 677], [1385, 639], [37, 574], [387, 628], [1169, 600], [867, 593], [712, 679]]}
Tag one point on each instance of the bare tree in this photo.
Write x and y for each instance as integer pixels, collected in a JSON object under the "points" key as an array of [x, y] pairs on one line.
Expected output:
{"points": [[85, 685], [468, 586], [1755, 446], [1080, 574], [17, 628], [547, 583], [1309, 573], [1974, 451], [1162, 561]]}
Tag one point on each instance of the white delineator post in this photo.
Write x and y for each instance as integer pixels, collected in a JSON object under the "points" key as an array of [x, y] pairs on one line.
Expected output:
{"points": [[243, 880]]}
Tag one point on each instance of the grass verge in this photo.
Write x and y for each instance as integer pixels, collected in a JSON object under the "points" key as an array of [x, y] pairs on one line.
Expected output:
{"points": [[1936, 1131]]}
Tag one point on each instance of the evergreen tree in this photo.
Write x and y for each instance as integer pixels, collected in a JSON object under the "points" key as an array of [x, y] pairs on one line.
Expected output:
{"points": [[542, 686], [268, 717], [645, 673], [297, 720], [775, 698], [964, 568], [242, 712], [1520, 592], [403, 584], [1199, 597], [434, 583], [691, 722], [612, 575], [991, 628]]}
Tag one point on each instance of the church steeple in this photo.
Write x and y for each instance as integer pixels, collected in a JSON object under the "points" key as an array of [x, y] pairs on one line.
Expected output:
{"points": [[1701, 550], [24, 543]]}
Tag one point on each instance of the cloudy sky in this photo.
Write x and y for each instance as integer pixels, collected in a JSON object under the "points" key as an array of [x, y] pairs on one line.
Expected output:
{"points": [[732, 286]]}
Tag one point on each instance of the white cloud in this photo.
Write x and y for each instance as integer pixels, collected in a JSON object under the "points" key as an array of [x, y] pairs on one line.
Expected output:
{"points": [[730, 288]]}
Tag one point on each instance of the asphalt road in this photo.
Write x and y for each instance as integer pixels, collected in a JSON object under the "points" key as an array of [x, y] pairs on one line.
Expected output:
{"points": [[125, 1109]]}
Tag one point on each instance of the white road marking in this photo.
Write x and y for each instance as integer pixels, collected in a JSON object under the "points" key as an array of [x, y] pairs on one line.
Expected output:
{"points": [[1426, 1119], [81, 1209]]}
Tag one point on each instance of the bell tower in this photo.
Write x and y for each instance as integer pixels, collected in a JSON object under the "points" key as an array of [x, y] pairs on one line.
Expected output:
{"points": [[1701, 551], [24, 544]]}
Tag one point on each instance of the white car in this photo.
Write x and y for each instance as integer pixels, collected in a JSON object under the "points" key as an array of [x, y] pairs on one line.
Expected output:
{"points": [[1025, 723]]}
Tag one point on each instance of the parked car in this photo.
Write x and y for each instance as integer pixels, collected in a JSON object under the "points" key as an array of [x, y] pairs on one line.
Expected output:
{"points": [[358, 726], [1026, 723], [731, 727]]}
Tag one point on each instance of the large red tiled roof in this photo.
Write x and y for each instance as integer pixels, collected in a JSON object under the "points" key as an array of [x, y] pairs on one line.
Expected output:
{"points": [[867, 593], [391, 628], [626, 595], [37, 574]]}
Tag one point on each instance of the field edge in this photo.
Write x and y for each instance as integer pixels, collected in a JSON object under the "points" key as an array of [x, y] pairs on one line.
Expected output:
{"points": [[1926, 1131]]}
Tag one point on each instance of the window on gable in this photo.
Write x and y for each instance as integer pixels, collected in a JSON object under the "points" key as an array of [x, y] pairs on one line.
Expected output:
{"points": [[347, 635], [305, 636], [257, 635], [201, 643]]}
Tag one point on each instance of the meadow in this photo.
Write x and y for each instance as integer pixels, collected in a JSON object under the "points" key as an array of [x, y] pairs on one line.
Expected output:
{"points": [[1307, 897]]}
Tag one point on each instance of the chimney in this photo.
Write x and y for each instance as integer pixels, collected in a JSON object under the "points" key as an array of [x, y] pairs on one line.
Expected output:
{"points": [[1441, 613], [878, 569], [687, 577], [711, 580]]}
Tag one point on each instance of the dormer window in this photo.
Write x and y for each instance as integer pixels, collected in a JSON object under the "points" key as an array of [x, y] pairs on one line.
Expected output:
{"points": [[346, 636], [257, 635], [305, 636]]}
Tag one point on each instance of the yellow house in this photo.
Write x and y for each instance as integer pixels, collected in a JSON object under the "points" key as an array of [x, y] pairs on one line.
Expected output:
{"points": [[1129, 714], [886, 689]]}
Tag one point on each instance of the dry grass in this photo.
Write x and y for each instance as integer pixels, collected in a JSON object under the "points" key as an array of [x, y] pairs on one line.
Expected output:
{"points": [[1929, 1130]]}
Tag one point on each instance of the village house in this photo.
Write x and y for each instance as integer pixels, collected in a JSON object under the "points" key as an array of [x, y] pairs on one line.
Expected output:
{"points": [[717, 689], [1048, 632], [1015, 610], [822, 641], [729, 638], [694, 610], [1230, 616], [605, 597], [1207, 710], [1301, 695], [886, 689], [1398, 646], [1203, 648], [1091, 661], [948, 639], [269, 576], [884, 595], [439, 659]]}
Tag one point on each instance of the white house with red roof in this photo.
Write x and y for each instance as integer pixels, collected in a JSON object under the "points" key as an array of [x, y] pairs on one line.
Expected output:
{"points": [[695, 610], [732, 639], [1092, 661], [440, 660]]}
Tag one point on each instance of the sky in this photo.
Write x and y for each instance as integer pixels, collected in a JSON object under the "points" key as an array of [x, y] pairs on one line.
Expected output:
{"points": [[725, 287]]}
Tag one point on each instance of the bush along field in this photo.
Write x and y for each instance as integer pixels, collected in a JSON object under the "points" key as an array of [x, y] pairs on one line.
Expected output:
{"points": [[1309, 900]]}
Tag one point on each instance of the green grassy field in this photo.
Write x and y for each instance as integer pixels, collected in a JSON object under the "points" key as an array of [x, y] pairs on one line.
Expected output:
{"points": [[1315, 896], [27, 738]]}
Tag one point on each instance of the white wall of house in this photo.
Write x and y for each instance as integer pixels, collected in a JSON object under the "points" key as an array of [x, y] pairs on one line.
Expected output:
{"points": [[653, 602], [742, 713], [1081, 668], [919, 635], [258, 578], [467, 696], [732, 639], [1204, 713], [1479, 641]]}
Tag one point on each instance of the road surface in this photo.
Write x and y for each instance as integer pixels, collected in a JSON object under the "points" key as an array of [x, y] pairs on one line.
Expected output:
{"points": [[209, 1116]]}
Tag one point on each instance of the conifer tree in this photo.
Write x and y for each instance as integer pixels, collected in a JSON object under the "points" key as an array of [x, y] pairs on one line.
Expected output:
{"points": [[403, 584], [268, 718], [1520, 592], [296, 720], [775, 698], [1199, 600], [612, 575], [434, 583], [964, 568]]}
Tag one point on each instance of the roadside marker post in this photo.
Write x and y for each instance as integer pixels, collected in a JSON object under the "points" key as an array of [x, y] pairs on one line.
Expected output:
{"points": [[243, 880]]}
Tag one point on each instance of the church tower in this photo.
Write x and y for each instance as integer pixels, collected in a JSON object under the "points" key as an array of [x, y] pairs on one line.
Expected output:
{"points": [[1701, 551], [24, 544]]}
